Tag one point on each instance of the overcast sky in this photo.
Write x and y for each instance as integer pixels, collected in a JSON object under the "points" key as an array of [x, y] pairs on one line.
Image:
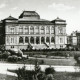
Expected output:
{"points": [[68, 10]]}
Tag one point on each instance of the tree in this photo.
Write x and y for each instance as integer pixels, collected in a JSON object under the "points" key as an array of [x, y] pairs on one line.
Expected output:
{"points": [[49, 73]]}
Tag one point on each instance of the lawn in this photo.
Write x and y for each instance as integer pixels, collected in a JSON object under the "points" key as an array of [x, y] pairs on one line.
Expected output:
{"points": [[63, 62], [47, 61], [58, 76], [66, 76], [7, 77]]}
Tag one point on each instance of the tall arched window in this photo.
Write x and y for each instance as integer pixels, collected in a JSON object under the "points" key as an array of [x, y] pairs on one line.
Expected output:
{"points": [[52, 30], [42, 30], [52, 40], [20, 29], [37, 40], [26, 40], [32, 40], [21, 40], [31, 30], [26, 30], [42, 40], [47, 39], [47, 29], [36, 30]]}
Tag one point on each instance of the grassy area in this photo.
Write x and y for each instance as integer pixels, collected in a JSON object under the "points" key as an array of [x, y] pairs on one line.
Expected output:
{"points": [[58, 76], [11, 77], [47, 61], [7, 77], [64, 62], [66, 76], [62, 53]]}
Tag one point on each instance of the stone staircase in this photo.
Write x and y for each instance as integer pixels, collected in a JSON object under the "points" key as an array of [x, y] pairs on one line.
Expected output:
{"points": [[39, 46]]}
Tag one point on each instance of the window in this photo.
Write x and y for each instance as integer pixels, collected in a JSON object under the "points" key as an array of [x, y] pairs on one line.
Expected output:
{"points": [[12, 30], [20, 30], [36, 30], [42, 30], [47, 39], [26, 30], [32, 40], [12, 40], [47, 29], [12, 46], [26, 40], [42, 40], [37, 40], [21, 40], [60, 30], [52, 40], [52, 30], [61, 46], [31, 30], [61, 40]]}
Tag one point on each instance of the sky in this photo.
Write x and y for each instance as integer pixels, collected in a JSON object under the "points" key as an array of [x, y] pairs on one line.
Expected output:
{"points": [[68, 10]]}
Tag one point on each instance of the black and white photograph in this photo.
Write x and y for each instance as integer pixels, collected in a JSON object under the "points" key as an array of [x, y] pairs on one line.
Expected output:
{"points": [[39, 39]]}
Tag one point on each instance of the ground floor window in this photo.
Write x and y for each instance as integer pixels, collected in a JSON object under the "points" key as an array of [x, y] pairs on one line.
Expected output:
{"points": [[47, 39], [52, 40], [42, 40], [21, 40], [26, 40], [32, 40], [37, 40]]}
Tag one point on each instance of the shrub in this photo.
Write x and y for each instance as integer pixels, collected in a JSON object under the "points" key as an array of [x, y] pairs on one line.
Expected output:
{"points": [[49, 70], [13, 58], [5, 54], [0, 56], [19, 58], [77, 58]]}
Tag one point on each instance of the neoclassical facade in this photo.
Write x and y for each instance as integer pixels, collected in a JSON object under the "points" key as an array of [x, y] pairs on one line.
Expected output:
{"points": [[30, 31]]}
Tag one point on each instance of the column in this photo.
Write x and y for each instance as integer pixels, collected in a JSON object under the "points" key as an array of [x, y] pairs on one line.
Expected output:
{"points": [[50, 29], [45, 29], [45, 39], [29, 29], [50, 40], [29, 39], [24, 39], [23, 29], [34, 40], [39, 29], [34, 29], [40, 39]]}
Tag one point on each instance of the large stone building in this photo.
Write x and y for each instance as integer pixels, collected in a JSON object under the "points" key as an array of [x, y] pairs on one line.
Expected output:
{"points": [[30, 31]]}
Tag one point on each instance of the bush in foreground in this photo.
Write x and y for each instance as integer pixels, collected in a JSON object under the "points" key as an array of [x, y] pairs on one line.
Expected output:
{"points": [[49, 70], [13, 58]]}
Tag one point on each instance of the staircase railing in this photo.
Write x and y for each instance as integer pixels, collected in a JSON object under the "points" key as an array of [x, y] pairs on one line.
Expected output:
{"points": [[46, 45]]}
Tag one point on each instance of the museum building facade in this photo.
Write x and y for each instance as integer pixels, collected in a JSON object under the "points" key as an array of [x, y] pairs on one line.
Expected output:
{"points": [[30, 31]]}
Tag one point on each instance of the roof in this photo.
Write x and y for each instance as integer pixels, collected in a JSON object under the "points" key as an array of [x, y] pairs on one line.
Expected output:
{"points": [[58, 19], [10, 18], [29, 14], [23, 19], [36, 22]]}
